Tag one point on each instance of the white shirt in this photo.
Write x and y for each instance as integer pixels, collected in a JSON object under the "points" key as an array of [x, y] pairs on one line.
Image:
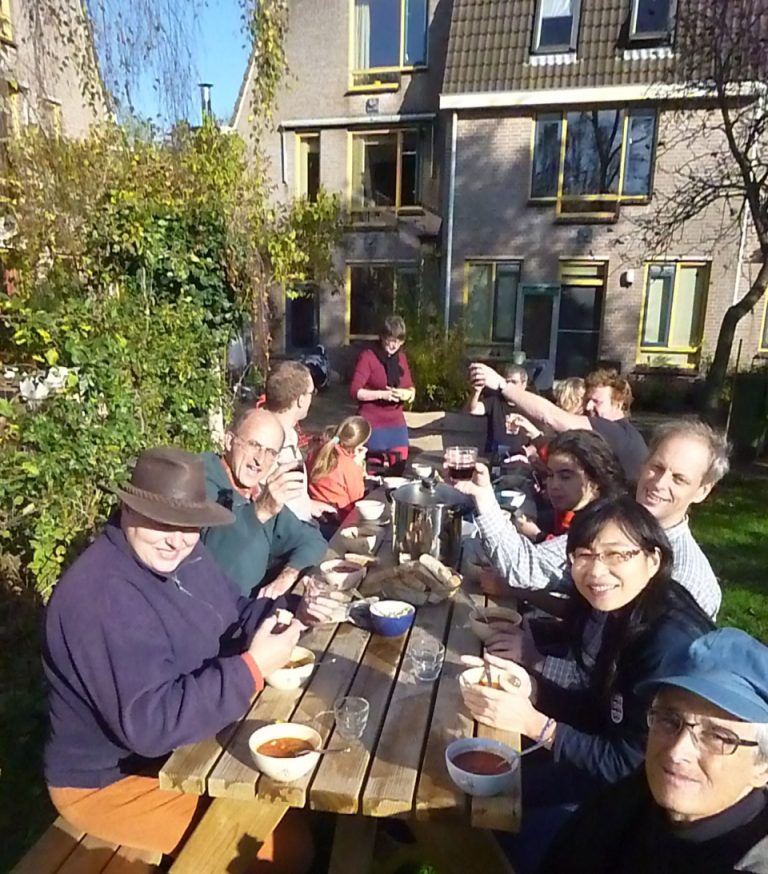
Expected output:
{"points": [[301, 506]]}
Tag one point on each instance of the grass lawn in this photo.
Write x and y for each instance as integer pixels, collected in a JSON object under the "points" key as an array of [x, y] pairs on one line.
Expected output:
{"points": [[731, 526]]}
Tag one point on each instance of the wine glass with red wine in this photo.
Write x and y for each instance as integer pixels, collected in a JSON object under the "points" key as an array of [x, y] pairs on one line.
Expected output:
{"points": [[460, 461]]}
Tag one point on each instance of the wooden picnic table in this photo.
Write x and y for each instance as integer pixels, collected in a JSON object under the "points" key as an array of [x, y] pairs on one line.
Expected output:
{"points": [[398, 767]]}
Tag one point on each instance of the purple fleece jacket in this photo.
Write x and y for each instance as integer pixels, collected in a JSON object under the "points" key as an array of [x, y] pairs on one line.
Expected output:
{"points": [[139, 663]]}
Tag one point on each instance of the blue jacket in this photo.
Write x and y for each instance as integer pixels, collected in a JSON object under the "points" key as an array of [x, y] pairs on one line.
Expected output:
{"points": [[139, 663], [246, 549]]}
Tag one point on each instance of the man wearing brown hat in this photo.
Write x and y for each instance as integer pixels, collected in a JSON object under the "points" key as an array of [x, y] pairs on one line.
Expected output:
{"points": [[149, 646], [266, 536]]}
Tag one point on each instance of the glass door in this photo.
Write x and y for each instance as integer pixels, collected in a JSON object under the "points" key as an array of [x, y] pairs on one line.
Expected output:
{"points": [[580, 318]]}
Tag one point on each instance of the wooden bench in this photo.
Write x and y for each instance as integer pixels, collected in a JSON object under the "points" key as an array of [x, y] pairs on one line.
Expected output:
{"points": [[226, 839], [63, 849]]}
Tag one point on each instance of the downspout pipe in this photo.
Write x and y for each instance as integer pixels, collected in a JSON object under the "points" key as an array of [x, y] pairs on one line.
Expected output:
{"points": [[449, 222]]}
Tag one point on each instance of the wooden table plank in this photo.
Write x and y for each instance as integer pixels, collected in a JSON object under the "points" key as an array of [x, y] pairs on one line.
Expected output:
{"points": [[391, 782], [353, 843], [228, 837], [235, 775], [347, 648], [340, 778], [435, 792]]}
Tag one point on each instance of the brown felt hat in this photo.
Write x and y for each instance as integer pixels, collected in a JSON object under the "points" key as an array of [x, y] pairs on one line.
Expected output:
{"points": [[168, 485]]}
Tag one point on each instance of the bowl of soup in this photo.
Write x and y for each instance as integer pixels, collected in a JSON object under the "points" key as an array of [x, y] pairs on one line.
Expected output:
{"points": [[295, 673], [285, 751], [481, 766], [516, 679], [360, 539], [391, 618], [370, 510], [342, 574], [485, 620]]}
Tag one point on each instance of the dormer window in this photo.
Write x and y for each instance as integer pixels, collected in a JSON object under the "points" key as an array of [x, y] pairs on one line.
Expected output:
{"points": [[651, 20], [556, 26]]}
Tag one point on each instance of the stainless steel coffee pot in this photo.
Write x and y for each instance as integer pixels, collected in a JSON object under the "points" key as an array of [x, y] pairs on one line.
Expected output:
{"points": [[427, 519]]}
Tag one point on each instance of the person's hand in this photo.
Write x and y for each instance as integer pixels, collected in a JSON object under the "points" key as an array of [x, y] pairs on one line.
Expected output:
{"points": [[526, 527], [405, 395], [515, 644], [492, 583], [272, 651], [281, 585], [512, 677], [479, 487], [285, 484], [389, 395], [319, 508], [317, 608], [515, 423], [483, 376]]}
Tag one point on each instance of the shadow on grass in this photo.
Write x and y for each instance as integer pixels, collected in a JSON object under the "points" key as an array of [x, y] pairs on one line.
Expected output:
{"points": [[732, 528], [25, 810]]}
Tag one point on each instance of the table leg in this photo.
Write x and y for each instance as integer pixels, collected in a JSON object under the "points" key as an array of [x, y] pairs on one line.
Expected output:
{"points": [[353, 840], [454, 848]]}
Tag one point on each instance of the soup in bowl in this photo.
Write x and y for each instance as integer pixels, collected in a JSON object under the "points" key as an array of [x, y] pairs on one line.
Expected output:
{"points": [[295, 673], [285, 751], [485, 620], [481, 766], [342, 574]]}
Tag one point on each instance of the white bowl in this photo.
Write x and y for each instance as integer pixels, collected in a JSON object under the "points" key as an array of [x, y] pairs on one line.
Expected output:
{"points": [[370, 510], [342, 574], [284, 770], [481, 784], [422, 470], [482, 630], [288, 677], [394, 482], [360, 539], [520, 682]]}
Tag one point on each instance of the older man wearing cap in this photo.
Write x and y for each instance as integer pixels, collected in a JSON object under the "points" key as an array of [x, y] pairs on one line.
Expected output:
{"points": [[700, 805], [149, 646]]}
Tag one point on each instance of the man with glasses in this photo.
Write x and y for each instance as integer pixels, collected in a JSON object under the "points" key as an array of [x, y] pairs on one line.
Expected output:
{"points": [[266, 536], [700, 804]]}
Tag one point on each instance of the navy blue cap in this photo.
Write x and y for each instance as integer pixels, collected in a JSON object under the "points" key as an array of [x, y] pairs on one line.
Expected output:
{"points": [[726, 666]]}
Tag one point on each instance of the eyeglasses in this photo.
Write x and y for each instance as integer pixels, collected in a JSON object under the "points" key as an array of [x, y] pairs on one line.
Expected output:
{"points": [[257, 448], [609, 557], [716, 740]]}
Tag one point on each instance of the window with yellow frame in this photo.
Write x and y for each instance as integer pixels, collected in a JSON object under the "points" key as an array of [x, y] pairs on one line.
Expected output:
{"points": [[764, 329], [672, 318], [308, 165], [386, 172], [491, 300], [6, 24], [587, 161], [387, 37]]}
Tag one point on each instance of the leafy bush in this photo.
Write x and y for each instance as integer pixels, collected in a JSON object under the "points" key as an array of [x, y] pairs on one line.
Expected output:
{"points": [[438, 367]]}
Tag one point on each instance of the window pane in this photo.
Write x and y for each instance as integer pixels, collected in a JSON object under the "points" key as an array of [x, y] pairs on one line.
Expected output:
{"points": [[410, 170], [380, 171], [537, 325], [546, 156], [556, 23], [652, 17], [415, 33], [377, 34], [639, 155], [593, 152], [580, 308], [658, 301], [688, 308], [576, 354], [505, 301], [407, 291], [371, 298], [479, 290]]}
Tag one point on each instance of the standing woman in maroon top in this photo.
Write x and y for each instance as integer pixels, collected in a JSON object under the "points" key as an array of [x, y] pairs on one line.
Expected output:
{"points": [[381, 384]]}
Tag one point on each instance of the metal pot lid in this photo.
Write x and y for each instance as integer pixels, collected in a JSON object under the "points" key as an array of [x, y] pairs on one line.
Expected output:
{"points": [[419, 494]]}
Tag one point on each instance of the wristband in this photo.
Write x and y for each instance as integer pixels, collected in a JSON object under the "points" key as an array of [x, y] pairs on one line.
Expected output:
{"points": [[541, 740]]}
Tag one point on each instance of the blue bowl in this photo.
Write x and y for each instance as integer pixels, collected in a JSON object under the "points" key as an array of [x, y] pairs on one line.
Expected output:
{"points": [[392, 618]]}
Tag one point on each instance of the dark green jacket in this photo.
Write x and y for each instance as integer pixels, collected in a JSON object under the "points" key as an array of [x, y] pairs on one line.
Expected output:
{"points": [[247, 548]]}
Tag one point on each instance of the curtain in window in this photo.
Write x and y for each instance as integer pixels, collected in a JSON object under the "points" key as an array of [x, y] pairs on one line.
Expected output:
{"points": [[556, 8], [362, 34]]}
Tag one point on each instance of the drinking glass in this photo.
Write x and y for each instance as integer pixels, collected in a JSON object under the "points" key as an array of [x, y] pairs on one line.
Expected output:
{"points": [[460, 461], [427, 658], [351, 717]]}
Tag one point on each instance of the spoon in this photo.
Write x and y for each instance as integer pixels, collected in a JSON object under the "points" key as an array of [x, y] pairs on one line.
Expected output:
{"points": [[323, 752]]}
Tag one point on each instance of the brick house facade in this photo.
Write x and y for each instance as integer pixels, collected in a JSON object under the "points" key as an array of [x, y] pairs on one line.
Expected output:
{"points": [[505, 170]]}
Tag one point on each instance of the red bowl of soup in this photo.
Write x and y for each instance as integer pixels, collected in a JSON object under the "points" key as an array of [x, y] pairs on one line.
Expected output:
{"points": [[481, 766]]}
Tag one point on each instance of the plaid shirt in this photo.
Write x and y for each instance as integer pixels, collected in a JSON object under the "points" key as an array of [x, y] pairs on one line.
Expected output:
{"points": [[545, 566]]}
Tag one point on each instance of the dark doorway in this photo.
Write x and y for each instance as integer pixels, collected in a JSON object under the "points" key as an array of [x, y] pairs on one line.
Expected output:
{"points": [[578, 330], [302, 318]]}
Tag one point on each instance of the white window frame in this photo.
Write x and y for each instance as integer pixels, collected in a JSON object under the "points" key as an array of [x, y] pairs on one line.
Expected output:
{"points": [[537, 49], [656, 35]]}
